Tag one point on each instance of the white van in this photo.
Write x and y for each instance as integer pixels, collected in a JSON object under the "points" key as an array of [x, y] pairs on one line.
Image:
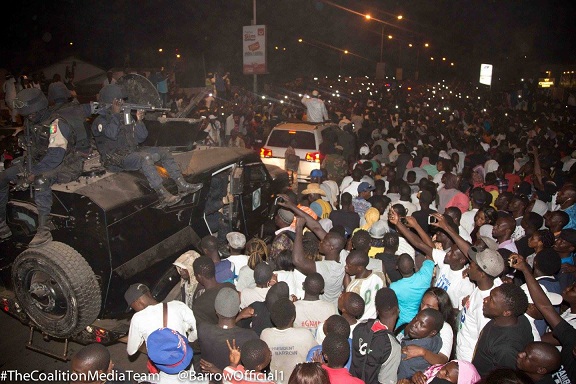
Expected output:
{"points": [[305, 138]]}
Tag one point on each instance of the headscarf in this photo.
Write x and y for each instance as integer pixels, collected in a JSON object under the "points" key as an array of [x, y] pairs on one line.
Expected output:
{"points": [[332, 192], [478, 175], [371, 216], [467, 373], [491, 166], [186, 261]]}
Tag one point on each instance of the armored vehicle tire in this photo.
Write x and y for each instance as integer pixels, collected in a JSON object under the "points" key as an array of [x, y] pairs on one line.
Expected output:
{"points": [[57, 289]]}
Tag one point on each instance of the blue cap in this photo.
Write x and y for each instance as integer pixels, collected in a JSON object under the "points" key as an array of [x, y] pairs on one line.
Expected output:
{"points": [[169, 350], [316, 173], [364, 186]]}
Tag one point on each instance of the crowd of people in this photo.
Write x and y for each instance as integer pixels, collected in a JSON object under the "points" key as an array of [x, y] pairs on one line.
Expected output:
{"points": [[434, 243]]}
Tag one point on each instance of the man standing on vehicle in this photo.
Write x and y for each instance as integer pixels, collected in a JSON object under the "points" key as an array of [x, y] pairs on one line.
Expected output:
{"points": [[316, 109], [61, 161], [118, 145]]}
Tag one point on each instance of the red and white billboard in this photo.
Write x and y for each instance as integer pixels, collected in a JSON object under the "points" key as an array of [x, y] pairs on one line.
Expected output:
{"points": [[254, 50]]}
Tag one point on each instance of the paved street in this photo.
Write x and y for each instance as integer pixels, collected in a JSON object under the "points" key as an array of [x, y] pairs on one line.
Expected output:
{"points": [[15, 356]]}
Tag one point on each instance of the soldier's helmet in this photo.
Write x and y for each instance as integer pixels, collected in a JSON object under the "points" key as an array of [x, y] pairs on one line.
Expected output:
{"points": [[110, 92], [29, 101]]}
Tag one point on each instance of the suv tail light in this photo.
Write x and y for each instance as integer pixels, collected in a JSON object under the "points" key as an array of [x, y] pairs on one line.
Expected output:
{"points": [[313, 157], [265, 152]]}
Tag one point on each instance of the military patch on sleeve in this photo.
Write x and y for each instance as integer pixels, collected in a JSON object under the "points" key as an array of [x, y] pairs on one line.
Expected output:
{"points": [[57, 139]]}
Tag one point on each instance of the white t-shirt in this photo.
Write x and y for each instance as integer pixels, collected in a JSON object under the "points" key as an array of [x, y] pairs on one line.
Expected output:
{"points": [[447, 336], [251, 295], [535, 332], [464, 234], [405, 247], [333, 274], [143, 323], [467, 219], [294, 279], [245, 279], [289, 347], [311, 313], [238, 261], [320, 335], [367, 289], [352, 188], [471, 322], [451, 281]]}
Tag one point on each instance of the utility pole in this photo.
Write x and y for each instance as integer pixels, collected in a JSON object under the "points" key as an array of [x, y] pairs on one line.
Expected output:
{"points": [[254, 23]]}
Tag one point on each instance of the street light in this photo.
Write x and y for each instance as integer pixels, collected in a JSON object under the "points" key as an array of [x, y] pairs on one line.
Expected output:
{"points": [[344, 52], [369, 17]]}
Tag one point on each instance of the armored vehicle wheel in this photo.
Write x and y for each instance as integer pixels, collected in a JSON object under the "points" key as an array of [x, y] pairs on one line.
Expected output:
{"points": [[57, 289]]}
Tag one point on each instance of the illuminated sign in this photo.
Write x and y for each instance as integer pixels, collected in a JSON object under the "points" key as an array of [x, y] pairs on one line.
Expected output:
{"points": [[486, 74], [545, 83]]}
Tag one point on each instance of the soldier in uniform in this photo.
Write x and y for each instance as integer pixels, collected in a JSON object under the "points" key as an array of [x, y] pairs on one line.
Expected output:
{"points": [[118, 143], [59, 159]]}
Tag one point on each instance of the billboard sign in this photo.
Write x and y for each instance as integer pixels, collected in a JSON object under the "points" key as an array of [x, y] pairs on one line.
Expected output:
{"points": [[486, 74], [254, 50]]}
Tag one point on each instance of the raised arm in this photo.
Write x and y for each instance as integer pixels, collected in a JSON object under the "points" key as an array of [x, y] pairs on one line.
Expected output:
{"points": [[462, 244], [301, 262], [412, 238], [312, 224], [536, 292]]}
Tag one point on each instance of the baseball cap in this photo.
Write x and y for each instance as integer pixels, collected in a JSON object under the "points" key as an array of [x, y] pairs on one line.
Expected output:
{"points": [[555, 299], [364, 150], [316, 173], [488, 244], [364, 186], [169, 350], [134, 292], [236, 240], [489, 261], [227, 302]]}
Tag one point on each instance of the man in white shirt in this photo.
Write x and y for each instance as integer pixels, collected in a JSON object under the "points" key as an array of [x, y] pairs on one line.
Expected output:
{"points": [[316, 109], [485, 267], [311, 311], [149, 317], [236, 244]]}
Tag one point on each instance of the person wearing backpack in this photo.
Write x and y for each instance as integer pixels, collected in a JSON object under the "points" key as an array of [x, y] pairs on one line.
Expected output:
{"points": [[375, 350]]}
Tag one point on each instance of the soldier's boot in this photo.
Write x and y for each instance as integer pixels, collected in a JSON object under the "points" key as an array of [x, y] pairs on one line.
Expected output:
{"points": [[43, 234], [166, 198], [5, 231], [185, 188]]}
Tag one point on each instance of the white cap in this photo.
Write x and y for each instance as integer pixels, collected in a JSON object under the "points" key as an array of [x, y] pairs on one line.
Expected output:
{"points": [[554, 298]]}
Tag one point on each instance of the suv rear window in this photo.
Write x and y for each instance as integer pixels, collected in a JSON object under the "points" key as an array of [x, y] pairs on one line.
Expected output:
{"points": [[282, 138]]}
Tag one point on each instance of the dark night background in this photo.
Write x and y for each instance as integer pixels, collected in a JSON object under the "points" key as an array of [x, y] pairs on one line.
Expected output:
{"points": [[518, 37]]}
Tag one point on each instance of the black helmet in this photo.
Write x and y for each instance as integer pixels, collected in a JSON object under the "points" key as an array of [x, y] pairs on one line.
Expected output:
{"points": [[110, 92], [29, 101]]}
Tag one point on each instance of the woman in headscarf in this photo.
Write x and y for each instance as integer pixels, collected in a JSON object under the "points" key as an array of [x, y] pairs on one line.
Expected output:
{"points": [[371, 216], [455, 372], [450, 196]]}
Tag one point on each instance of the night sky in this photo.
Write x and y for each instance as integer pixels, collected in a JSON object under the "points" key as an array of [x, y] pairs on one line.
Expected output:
{"points": [[517, 36]]}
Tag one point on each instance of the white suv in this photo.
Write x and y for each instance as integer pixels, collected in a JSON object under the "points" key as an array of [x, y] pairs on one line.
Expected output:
{"points": [[306, 138]]}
